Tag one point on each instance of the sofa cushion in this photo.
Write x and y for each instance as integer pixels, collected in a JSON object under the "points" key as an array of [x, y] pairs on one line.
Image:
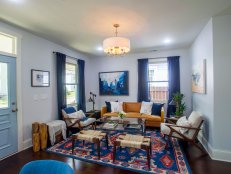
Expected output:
{"points": [[151, 117], [131, 107], [109, 114], [133, 114], [156, 108]]}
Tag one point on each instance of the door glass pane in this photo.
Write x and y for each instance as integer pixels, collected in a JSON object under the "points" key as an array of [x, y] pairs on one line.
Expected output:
{"points": [[3, 86], [71, 94]]}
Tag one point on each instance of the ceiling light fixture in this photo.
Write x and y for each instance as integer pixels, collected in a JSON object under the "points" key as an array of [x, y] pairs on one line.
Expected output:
{"points": [[116, 45]]}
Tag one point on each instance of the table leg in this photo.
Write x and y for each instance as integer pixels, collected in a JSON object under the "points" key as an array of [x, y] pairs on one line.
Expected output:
{"points": [[148, 156], [73, 144], [114, 152]]}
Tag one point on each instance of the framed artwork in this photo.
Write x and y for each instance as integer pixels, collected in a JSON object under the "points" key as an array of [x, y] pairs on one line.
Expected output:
{"points": [[199, 77], [40, 78], [113, 83]]}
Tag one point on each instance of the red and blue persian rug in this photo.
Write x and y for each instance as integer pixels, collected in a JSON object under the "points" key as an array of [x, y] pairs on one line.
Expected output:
{"points": [[163, 161]]}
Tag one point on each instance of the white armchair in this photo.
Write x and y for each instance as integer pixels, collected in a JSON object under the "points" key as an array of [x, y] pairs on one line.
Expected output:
{"points": [[185, 129]]}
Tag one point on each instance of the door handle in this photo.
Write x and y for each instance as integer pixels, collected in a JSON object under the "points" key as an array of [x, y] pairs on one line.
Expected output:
{"points": [[15, 110]]}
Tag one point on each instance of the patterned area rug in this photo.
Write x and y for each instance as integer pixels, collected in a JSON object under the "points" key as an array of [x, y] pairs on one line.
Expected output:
{"points": [[170, 161]]}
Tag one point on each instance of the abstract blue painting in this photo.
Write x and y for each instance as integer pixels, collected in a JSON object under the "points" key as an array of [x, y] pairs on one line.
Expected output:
{"points": [[113, 83]]}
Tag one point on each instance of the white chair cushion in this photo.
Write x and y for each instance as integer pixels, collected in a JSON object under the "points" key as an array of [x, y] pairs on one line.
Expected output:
{"points": [[116, 107], [87, 122], [183, 122], [194, 119], [166, 130], [146, 108], [78, 115]]}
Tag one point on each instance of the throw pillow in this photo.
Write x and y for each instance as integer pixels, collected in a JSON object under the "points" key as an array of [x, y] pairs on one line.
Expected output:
{"points": [[116, 107], [183, 122], [108, 106], [156, 108], [78, 115], [146, 108], [69, 110]]}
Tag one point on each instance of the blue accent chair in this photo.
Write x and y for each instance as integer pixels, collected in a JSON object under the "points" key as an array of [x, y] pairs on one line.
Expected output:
{"points": [[46, 167]]}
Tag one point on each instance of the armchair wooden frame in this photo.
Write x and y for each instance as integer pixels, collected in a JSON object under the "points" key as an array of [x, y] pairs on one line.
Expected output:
{"points": [[185, 138], [70, 127]]}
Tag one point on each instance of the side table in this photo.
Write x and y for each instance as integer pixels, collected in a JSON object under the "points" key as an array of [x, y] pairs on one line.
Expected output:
{"points": [[172, 120], [94, 113]]}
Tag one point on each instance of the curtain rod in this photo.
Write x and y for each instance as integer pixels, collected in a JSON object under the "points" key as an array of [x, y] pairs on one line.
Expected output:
{"points": [[158, 58], [67, 56]]}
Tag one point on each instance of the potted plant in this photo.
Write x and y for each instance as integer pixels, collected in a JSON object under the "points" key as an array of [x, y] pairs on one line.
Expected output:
{"points": [[121, 115], [180, 105]]}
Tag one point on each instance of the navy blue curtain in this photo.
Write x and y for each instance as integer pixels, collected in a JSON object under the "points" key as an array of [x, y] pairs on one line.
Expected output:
{"points": [[143, 87], [61, 79], [174, 79], [81, 85]]}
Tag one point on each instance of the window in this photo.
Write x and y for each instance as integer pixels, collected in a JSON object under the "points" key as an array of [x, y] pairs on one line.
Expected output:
{"points": [[3, 86], [71, 84], [7, 43], [158, 80]]}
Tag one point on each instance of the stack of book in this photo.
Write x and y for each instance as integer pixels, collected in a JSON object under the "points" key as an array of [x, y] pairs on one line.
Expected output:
{"points": [[110, 125]]}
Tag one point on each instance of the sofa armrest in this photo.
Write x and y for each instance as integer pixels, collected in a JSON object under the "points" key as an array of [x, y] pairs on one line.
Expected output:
{"points": [[162, 115], [103, 110]]}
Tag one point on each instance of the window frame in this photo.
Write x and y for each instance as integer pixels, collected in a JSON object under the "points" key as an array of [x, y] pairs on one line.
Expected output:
{"points": [[14, 44], [72, 62], [157, 61]]}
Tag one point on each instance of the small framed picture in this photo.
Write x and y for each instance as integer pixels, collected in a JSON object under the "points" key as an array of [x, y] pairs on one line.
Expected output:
{"points": [[40, 78]]}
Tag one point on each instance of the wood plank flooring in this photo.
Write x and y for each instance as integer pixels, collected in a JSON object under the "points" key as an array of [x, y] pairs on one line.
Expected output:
{"points": [[200, 163]]}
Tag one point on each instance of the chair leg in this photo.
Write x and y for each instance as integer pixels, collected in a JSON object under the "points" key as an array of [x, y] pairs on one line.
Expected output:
{"points": [[106, 137], [166, 145], [98, 148], [114, 152], [151, 148], [148, 156], [83, 142], [194, 143]]}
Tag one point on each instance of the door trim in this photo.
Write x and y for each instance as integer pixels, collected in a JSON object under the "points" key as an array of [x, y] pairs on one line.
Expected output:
{"points": [[18, 83]]}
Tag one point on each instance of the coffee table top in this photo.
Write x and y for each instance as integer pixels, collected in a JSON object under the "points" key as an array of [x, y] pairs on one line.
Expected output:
{"points": [[115, 123]]}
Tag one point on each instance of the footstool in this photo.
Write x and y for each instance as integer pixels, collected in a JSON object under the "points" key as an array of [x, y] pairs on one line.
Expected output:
{"points": [[134, 141], [93, 136]]}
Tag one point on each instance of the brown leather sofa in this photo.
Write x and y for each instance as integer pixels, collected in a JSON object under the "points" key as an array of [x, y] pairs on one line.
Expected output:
{"points": [[132, 109]]}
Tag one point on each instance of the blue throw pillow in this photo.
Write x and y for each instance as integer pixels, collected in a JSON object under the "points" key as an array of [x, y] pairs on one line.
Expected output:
{"points": [[108, 106], [69, 110], [156, 108]]}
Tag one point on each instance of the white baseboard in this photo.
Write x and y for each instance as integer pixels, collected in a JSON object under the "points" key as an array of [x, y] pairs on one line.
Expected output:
{"points": [[215, 154], [27, 143]]}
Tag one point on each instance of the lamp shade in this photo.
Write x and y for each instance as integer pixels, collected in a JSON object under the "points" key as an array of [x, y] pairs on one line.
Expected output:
{"points": [[116, 45]]}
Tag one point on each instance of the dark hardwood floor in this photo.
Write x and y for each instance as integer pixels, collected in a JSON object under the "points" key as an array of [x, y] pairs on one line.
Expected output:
{"points": [[199, 163]]}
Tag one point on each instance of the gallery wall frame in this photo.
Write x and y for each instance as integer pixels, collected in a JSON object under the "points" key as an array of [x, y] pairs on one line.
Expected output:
{"points": [[40, 78], [114, 83]]}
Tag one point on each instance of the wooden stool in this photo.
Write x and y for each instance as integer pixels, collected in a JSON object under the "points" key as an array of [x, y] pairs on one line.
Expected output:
{"points": [[92, 136], [134, 141]]}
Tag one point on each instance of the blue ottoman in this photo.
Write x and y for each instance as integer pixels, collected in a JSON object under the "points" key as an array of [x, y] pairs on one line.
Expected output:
{"points": [[46, 167]]}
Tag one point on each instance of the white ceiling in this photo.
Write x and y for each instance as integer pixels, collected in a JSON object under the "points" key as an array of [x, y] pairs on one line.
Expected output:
{"points": [[83, 24]]}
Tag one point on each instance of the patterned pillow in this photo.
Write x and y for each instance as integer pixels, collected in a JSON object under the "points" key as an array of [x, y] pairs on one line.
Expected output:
{"points": [[79, 115], [183, 122], [146, 108], [116, 106]]}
